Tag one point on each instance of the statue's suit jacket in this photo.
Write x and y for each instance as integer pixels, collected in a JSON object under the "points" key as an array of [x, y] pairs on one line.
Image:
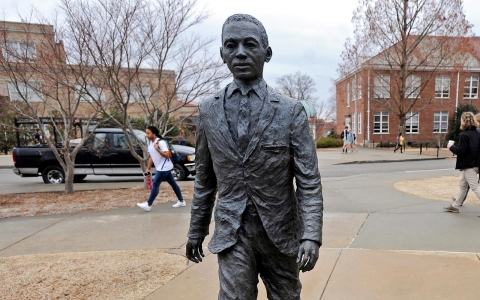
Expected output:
{"points": [[280, 150]]}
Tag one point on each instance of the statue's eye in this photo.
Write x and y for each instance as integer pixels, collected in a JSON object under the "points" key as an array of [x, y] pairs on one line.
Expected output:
{"points": [[230, 45], [251, 44]]}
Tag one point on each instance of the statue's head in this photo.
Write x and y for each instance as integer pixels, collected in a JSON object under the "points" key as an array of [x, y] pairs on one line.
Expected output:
{"points": [[245, 47]]}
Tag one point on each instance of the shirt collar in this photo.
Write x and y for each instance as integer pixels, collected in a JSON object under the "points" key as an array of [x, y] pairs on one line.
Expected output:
{"points": [[260, 89]]}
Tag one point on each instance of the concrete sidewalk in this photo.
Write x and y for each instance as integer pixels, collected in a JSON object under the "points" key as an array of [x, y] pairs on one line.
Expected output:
{"points": [[379, 243]]}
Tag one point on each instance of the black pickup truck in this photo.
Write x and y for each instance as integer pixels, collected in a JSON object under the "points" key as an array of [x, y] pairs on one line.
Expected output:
{"points": [[106, 153]]}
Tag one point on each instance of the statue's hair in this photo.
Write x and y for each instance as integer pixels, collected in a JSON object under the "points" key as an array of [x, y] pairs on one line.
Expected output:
{"points": [[467, 121], [477, 119], [251, 19]]}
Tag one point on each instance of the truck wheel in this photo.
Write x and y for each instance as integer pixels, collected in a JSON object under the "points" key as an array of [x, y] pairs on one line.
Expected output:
{"points": [[178, 172], [78, 178], [53, 174]]}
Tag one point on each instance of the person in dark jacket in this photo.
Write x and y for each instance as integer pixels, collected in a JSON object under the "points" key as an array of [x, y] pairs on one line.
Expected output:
{"points": [[467, 153]]}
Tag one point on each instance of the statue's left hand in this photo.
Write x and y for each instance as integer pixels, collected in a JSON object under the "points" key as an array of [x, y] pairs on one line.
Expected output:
{"points": [[307, 255]]}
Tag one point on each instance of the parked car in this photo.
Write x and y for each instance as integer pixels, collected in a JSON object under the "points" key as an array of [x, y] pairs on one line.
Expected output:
{"points": [[106, 153]]}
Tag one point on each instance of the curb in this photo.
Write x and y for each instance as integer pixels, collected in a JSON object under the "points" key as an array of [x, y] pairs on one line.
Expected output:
{"points": [[388, 161]]}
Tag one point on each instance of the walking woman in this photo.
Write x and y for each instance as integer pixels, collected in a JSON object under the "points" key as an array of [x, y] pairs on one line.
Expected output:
{"points": [[399, 143], [467, 153], [158, 151]]}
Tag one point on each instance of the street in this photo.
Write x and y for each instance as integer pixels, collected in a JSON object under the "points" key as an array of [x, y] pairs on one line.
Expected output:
{"points": [[11, 183]]}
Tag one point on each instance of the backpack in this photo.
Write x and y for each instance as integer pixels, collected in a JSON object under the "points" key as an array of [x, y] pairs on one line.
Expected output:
{"points": [[342, 135], [354, 136], [172, 153], [398, 139]]}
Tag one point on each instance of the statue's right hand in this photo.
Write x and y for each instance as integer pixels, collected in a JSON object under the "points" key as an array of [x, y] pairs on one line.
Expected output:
{"points": [[195, 250]]}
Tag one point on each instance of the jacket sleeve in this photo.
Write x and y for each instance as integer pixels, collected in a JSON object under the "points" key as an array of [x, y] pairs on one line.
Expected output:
{"points": [[205, 187], [307, 176], [462, 147]]}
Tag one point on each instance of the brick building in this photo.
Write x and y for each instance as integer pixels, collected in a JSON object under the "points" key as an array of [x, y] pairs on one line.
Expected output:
{"points": [[24, 43], [361, 96]]}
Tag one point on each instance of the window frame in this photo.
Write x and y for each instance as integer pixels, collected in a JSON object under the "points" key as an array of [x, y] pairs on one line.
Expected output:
{"points": [[470, 87], [410, 117], [381, 114], [15, 95], [381, 84], [359, 122], [348, 94], [84, 97], [17, 50], [440, 90], [413, 83], [440, 115]]}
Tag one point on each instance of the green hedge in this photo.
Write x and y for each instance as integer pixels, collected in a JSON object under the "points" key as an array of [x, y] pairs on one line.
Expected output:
{"points": [[329, 143]]}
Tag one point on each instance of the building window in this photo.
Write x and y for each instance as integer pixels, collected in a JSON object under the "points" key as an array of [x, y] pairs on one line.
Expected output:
{"points": [[348, 94], [440, 121], [413, 84], [89, 93], [359, 123], [471, 87], [381, 86], [380, 122], [442, 87], [19, 51], [359, 88], [354, 122], [139, 94], [31, 92], [412, 122]]}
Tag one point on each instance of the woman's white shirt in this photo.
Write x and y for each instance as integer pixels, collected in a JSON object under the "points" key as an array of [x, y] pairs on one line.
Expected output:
{"points": [[161, 163]]}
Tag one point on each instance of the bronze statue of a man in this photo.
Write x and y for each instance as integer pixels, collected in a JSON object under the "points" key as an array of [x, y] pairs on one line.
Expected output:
{"points": [[252, 142]]}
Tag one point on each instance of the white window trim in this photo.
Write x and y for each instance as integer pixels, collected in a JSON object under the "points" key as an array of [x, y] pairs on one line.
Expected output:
{"points": [[440, 89], [470, 87], [18, 55], [137, 94], [359, 88], [83, 97], [27, 91], [348, 94], [381, 86], [441, 113], [382, 113], [359, 121], [413, 84], [354, 122], [409, 120]]}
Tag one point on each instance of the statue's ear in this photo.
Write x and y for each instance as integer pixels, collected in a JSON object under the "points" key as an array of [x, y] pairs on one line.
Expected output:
{"points": [[221, 55], [269, 54]]}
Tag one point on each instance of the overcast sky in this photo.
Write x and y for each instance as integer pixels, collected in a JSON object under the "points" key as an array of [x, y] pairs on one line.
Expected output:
{"points": [[305, 35]]}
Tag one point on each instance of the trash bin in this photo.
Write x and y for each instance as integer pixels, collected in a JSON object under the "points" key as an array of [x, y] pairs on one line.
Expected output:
{"points": [[409, 143]]}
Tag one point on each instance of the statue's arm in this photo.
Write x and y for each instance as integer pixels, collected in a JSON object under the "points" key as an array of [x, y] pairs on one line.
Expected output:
{"points": [[204, 194], [309, 188]]}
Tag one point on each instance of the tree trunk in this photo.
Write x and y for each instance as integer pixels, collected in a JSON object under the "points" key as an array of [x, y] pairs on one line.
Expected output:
{"points": [[69, 179]]}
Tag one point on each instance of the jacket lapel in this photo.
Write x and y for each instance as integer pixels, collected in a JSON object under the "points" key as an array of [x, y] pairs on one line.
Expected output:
{"points": [[220, 124], [266, 116]]}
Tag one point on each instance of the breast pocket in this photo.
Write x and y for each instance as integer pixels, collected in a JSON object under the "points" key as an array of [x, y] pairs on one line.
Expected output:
{"points": [[274, 148]]}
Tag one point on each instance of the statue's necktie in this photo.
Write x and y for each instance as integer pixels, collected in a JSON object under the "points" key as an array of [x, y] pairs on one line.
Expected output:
{"points": [[243, 121]]}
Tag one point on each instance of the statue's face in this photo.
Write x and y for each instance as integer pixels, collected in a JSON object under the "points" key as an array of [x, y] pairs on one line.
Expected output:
{"points": [[243, 52]]}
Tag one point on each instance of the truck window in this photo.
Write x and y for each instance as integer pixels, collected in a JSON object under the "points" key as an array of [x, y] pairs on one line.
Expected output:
{"points": [[119, 141], [100, 140]]}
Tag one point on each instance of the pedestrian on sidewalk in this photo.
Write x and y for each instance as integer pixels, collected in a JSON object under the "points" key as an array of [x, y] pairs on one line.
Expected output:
{"points": [[344, 136], [477, 123], [352, 138], [399, 144], [467, 153], [159, 155]]}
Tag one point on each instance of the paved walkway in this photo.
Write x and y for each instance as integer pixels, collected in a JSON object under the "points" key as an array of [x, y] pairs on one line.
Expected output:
{"points": [[379, 243]]}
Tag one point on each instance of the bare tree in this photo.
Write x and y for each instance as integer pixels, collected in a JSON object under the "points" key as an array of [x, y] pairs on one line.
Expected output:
{"points": [[403, 44], [297, 86], [148, 58], [301, 86], [44, 89]]}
